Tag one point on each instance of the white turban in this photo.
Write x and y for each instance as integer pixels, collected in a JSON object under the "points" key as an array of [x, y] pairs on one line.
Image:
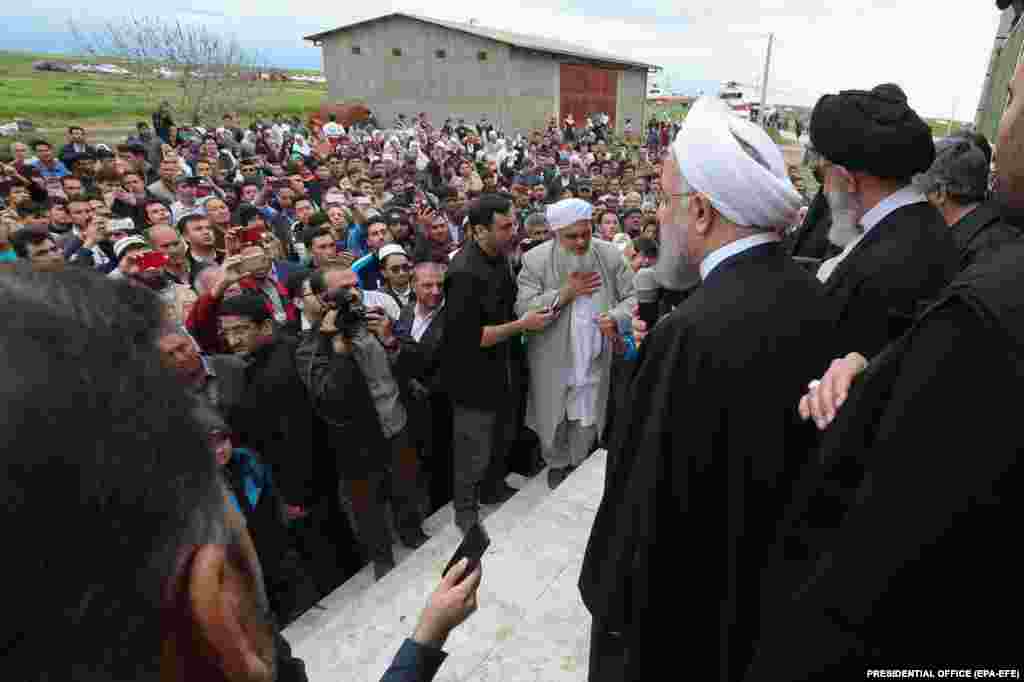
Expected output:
{"points": [[564, 213], [747, 183]]}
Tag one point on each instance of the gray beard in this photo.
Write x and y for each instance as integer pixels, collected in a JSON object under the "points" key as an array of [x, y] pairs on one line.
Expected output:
{"points": [[843, 230], [567, 262]]}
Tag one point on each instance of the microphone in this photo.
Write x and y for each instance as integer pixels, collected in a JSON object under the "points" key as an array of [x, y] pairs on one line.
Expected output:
{"points": [[648, 292]]}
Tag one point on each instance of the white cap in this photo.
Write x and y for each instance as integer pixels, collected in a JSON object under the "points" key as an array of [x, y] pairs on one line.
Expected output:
{"points": [[563, 213], [123, 244], [390, 250]]}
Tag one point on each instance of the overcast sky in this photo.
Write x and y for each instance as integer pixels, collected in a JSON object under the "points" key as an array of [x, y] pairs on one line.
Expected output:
{"points": [[937, 51]]}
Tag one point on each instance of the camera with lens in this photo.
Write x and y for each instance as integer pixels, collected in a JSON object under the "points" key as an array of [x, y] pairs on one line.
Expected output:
{"points": [[351, 311]]}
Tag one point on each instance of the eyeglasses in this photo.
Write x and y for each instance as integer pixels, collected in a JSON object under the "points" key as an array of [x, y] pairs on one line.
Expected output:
{"points": [[664, 201], [395, 269]]}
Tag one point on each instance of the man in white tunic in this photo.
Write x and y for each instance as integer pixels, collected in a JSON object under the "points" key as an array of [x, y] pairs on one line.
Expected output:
{"points": [[591, 288]]}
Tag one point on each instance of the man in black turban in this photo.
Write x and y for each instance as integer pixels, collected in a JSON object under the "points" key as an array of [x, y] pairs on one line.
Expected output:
{"points": [[897, 252]]}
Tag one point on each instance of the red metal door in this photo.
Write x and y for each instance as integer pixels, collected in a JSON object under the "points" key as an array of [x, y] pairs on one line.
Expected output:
{"points": [[586, 90]]}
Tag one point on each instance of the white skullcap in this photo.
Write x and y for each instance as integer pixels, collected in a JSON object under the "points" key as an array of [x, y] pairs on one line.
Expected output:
{"points": [[390, 250], [736, 165], [563, 213]]}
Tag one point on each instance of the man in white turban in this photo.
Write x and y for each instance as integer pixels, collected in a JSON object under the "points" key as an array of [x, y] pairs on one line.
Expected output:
{"points": [[588, 283], [703, 458]]}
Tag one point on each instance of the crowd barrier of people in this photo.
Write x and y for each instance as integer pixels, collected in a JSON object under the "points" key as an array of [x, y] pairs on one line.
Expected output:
{"points": [[357, 326]]}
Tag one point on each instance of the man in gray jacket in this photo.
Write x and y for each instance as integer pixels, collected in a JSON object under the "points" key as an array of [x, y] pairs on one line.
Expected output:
{"points": [[587, 283]]}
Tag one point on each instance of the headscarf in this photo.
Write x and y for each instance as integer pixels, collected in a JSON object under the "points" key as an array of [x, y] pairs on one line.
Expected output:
{"points": [[736, 165]]}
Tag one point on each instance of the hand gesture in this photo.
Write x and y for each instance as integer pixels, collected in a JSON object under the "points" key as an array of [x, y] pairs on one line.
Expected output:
{"points": [[425, 217], [345, 259], [583, 283], [824, 398], [232, 240], [95, 232], [536, 320], [609, 329], [639, 326], [449, 606], [328, 325], [379, 324], [232, 271]]}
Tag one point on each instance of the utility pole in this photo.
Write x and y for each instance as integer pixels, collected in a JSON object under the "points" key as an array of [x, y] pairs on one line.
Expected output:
{"points": [[767, 68], [952, 115]]}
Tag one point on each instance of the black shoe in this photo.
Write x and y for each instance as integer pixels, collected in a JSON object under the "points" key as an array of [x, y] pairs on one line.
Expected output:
{"points": [[414, 539], [382, 568], [537, 467], [500, 496]]}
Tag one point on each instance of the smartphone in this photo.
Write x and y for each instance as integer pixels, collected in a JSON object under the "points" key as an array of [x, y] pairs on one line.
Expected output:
{"points": [[472, 547], [151, 260], [252, 235]]}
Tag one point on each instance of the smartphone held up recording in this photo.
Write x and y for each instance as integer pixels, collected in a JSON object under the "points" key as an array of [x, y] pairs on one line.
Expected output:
{"points": [[472, 547]]}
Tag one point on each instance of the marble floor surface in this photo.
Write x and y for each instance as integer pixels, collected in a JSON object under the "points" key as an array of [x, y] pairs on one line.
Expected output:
{"points": [[530, 624]]}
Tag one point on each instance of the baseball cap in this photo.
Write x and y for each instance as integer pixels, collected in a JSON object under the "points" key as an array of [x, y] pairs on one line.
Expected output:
{"points": [[125, 243]]}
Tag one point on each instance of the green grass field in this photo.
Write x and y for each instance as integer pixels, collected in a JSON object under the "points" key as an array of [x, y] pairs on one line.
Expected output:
{"points": [[98, 101]]}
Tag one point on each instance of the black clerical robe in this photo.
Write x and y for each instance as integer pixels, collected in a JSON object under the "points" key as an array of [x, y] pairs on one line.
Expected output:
{"points": [[700, 467], [900, 265], [897, 555], [810, 240]]}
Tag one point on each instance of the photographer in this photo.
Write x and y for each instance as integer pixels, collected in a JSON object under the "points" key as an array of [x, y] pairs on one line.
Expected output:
{"points": [[349, 364]]}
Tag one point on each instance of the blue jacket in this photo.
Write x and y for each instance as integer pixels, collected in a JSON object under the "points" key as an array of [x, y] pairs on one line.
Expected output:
{"points": [[367, 269], [414, 662], [356, 240]]}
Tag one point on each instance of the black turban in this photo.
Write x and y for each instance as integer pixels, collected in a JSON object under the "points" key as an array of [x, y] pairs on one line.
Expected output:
{"points": [[874, 132]]}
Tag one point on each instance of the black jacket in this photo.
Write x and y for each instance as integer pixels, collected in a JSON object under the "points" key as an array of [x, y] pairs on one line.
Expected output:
{"points": [[480, 291], [883, 540], [275, 418], [980, 231], [427, 369], [899, 266], [701, 466]]}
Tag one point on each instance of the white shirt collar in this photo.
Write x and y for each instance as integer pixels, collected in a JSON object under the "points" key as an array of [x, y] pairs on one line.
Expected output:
{"points": [[419, 312], [898, 199], [715, 258]]}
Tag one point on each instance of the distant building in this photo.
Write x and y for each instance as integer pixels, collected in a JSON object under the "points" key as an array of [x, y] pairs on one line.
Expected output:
{"points": [[405, 63]]}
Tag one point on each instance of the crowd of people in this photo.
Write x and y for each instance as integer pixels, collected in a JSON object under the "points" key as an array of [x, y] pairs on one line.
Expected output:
{"points": [[357, 326], [324, 293]]}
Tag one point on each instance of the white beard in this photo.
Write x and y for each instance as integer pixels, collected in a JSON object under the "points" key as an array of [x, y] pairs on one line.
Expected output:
{"points": [[844, 227], [567, 262]]}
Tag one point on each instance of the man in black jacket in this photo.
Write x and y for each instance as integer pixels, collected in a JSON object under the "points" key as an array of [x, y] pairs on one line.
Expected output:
{"points": [[482, 356], [902, 254], [874, 580], [274, 416], [351, 368], [430, 410], [957, 184]]}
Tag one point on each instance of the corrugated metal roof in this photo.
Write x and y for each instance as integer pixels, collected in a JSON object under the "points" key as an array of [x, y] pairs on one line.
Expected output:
{"points": [[529, 42]]}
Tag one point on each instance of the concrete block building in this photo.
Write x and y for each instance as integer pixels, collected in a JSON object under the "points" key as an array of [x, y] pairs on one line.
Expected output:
{"points": [[405, 63]]}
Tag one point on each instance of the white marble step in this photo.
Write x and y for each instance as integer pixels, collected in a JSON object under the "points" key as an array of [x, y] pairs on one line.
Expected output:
{"points": [[530, 624], [442, 531]]}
